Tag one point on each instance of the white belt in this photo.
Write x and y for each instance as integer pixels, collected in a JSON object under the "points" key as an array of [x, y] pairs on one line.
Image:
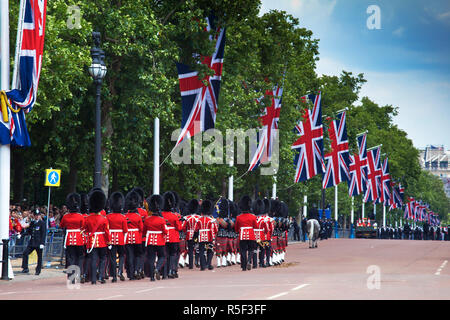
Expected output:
{"points": [[133, 229], [259, 230], [151, 232], [204, 229], [69, 230], [95, 239], [170, 228], [246, 227], [115, 230]]}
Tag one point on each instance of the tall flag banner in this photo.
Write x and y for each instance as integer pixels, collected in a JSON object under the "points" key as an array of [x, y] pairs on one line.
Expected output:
{"points": [[385, 179], [373, 175], [269, 122], [309, 146], [358, 168], [199, 97], [338, 159], [19, 101], [409, 209], [395, 201]]}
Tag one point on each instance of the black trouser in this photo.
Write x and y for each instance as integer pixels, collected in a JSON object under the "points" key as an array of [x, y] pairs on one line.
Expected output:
{"points": [[245, 248], [190, 245], [134, 252], [205, 262], [116, 249], [27, 252], [75, 257], [152, 252], [171, 254], [297, 234], [94, 256]]}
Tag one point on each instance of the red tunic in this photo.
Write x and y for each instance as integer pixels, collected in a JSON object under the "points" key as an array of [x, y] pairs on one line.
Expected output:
{"points": [[262, 230], [135, 226], [155, 229], [189, 225], [118, 227], [207, 229], [73, 222], [245, 225], [97, 230], [174, 226]]}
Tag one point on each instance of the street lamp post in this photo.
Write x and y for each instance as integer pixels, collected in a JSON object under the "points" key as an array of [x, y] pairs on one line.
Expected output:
{"points": [[98, 71]]}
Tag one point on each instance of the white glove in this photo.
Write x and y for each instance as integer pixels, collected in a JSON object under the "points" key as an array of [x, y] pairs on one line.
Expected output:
{"points": [[110, 247], [41, 246], [18, 236]]}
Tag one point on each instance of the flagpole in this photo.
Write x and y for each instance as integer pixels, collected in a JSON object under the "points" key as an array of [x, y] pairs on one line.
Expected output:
{"points": [[362, 210], [230, 184], [384, 215], [274, 188], [5, 150], [305, 204], [156, 158]]}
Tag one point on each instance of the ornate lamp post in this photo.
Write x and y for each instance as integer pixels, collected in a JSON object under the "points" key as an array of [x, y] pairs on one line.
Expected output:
{"points": [[98, 71]]}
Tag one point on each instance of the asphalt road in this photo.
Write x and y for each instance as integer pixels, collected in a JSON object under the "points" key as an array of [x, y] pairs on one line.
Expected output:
{"points": [[344, 269]]}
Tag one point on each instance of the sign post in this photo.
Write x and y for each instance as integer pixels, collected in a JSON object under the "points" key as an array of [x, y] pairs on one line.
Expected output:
{"points": [[52, 179]]}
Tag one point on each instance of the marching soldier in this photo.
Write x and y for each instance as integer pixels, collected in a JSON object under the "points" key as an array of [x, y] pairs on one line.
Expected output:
{"points": [[97, 229], [258, 209], [140, 260], [118, 229], [188, 227], [133, 242], [207, 230], [73, 223], [173, 237], [222, 233], [244, 226], [155, 229]]}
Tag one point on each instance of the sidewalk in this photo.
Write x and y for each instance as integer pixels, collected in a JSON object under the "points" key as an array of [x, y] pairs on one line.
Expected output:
{"points": [[49, 270]]}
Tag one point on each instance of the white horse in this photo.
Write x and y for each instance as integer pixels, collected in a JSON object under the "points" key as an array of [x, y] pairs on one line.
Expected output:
{"points": [[313, 227]]}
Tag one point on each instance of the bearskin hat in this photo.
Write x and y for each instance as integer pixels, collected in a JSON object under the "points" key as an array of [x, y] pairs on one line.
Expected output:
{"points": [[155, 203], [182, 206], [73, 202], [140, 192], [192, 206], [169, 201], [258, 207], [234, 209], [274, 207], [177, 200], [84, 205], [245, 204], [224, 208], [131, 201], [284, 210], [206, 207], [97, 200], [116, 202]]}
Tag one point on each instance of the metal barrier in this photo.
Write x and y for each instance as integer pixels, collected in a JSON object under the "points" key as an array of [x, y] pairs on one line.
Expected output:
{"points": [[53, 250]]}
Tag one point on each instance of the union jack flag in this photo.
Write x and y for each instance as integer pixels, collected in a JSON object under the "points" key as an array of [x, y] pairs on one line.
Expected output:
{"points": [[385, 178], [410, 209], [373, 175], [199, 97], [396, 198], [358, 168], [309, 157], [28, 65], [269, 121], [338, 159]]}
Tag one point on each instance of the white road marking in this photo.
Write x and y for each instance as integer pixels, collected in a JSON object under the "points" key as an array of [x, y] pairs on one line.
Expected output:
{"points": [[277, 295], [11, 292], [300, 286], [285, 293], [111, 297], [150, 289], [438, 272]]}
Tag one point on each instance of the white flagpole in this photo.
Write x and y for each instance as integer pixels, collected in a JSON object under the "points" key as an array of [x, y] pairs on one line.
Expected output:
{"points": [[362, 210], [156, 158], [305, 204], [335, 202], [274, 188], [384, 215], [5, 150], [352, 214], [230, 184]]}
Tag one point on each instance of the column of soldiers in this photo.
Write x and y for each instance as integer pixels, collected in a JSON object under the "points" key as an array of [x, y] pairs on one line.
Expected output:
{"points": [[153, 237], [407, 232]]}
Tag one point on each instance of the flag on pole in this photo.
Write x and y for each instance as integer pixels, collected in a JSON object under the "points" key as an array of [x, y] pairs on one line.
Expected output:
{"points": [[269, 122], [199, 97], [358, 168], [308, 159], [338, 159], [373, 175], [385, 179], [21, 99]]}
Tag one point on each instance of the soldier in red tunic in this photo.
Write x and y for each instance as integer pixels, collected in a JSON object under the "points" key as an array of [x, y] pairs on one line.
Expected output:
{"points": [[188, 226], [258, 207], [155, 229], [118, 228], [73, 223], [134, 235], [141, 260], [97, 230], [173, 237], [245, 226], [207, 230]]}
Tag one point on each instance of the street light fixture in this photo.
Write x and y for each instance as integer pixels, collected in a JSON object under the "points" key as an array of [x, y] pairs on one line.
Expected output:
{"points": [[97, 70]]}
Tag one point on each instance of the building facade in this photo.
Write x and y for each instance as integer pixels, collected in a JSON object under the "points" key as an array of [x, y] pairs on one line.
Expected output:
{"points": [[435, 159]]}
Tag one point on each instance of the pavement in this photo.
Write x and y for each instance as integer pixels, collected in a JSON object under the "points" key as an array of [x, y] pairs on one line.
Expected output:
{"points": [[339, 269]]}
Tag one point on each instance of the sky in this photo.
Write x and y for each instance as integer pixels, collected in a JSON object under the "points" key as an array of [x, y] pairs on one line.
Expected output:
{"points": [[402, 47]]}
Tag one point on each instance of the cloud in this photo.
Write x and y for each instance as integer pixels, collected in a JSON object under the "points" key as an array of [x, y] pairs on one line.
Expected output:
{"points": [[398, 32]]}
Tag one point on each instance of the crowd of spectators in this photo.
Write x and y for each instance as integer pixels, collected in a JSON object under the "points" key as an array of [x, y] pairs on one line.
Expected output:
{"points": [[20, 217]]}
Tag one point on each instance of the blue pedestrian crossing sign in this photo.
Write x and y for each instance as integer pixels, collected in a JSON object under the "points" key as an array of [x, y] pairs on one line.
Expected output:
{"points": [[52, 177]]}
